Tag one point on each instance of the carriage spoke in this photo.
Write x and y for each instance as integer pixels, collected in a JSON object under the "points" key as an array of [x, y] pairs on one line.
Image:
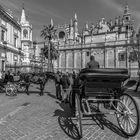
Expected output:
{"points": [[119, 106], [128, 126], [132, 109], [131, 124], [125, 125], [130, 103], [132, 120], [122, 122]]}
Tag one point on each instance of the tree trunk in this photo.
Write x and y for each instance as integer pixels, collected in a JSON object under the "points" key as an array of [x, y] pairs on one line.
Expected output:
{"points": [[49, 56]]}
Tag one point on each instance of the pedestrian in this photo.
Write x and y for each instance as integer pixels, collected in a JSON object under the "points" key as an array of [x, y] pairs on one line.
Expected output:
{"points": [[74, 75], [65, 87], [138, 82], [0, 74], [92, 64], [27, 82], [58, 85], [42, 82]]}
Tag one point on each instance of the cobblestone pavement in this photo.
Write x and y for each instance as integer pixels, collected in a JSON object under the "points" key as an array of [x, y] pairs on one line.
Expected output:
{"points": [[37, 117]]}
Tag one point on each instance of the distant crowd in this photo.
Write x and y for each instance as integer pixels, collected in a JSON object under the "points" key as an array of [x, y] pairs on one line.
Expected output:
{"points": [[64, 83]]}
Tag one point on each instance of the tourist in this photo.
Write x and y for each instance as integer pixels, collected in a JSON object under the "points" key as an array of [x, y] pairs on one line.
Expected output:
{"points": [[138, 83], [74, 75], [93, 64], [65, 87], [58, 86]]}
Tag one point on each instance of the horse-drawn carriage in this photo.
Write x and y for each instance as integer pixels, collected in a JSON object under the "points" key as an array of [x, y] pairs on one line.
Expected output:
{"points": [[97, 90], [22, 82]]}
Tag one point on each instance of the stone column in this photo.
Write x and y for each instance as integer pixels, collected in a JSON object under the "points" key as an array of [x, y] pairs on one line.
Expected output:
{"points": [[81, 59], [126, 57], [73, 54], [115, 57], [58, 62], [84, 59], [105, 56], [65, 60], [74, 59]]}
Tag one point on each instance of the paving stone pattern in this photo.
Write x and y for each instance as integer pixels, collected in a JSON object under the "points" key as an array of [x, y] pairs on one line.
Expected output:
{"points": [[37, 117]]}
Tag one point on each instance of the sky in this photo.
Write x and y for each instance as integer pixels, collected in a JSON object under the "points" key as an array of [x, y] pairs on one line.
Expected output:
{"points": [[40, 12]]}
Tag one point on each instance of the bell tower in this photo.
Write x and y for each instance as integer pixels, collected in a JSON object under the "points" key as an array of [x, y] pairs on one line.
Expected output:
{"points": [[26, 37], [126, 15]]}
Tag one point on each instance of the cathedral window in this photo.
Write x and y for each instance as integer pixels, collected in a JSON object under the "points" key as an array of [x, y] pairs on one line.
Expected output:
{"points": [[87, 53], [133, 56], [61, 34], [25, 33], [127, 18], [15, 41], [2, 35], [122, 56]]}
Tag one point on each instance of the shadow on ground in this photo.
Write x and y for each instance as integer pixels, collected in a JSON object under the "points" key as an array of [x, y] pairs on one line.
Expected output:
{"points": [[66, 123], [102, 121]]}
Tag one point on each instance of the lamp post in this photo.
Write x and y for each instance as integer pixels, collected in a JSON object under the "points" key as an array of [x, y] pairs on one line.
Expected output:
{"points": [[34, 48], [49, 56], [19, 49], [5, 47]]}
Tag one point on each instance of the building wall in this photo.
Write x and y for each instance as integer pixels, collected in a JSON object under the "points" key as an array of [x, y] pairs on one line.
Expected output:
{"points": [[13, 52]]}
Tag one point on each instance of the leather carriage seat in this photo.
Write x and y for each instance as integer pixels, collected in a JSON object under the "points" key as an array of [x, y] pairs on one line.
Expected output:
{"points": [[104, 74]]}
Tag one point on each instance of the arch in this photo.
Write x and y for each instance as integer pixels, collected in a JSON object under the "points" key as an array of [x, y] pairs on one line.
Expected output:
{"points": [[61, 35], [25, 33]]}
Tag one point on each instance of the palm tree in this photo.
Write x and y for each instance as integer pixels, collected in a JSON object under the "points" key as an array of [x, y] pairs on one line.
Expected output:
{"points": [[49, 33], [53, 52]]}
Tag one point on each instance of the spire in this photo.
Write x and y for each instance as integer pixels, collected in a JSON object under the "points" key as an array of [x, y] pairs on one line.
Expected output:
{"points": [[51, 22], [71, 22], [75, 16], [116, 20], [126, 9], [23, 16], [22, 5], [86, 27]]}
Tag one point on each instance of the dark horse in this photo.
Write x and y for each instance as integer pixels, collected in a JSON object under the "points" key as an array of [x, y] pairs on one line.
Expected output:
{"points": [[37, 78]]}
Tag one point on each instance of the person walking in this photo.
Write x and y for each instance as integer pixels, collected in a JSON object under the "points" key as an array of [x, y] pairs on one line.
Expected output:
{"points": [[138, 82], [65, 87], [92, 64], [58, 86]]}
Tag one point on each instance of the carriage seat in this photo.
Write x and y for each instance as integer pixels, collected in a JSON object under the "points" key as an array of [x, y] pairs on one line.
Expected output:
{"points": [[102, 78], [104, 74]]}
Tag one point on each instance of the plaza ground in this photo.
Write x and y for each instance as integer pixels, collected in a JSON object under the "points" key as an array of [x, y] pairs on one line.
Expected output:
{"points": [[35, 117]]}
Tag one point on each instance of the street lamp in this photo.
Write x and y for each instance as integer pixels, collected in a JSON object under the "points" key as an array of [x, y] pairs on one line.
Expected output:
{"points": [[34, 48], [5, 47], [19, 49]]}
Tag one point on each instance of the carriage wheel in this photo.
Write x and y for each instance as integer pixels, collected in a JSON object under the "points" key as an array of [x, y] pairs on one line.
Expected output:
{"points": [[128, 119], [78, 114], [11, 90]]}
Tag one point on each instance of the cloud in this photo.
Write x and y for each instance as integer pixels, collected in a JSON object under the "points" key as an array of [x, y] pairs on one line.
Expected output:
{"points": [[11, 4], [38, 10], [112, 4]]}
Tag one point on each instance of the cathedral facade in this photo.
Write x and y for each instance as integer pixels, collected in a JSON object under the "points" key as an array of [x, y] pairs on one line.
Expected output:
{"points": [[110, 42]]}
